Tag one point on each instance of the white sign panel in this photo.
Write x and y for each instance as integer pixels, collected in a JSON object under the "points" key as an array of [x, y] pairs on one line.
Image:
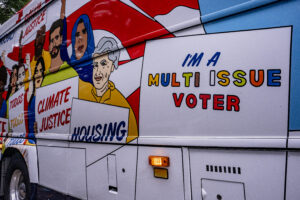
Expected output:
{"points": [[96, 122], [53, 106], [31, 27], [16, 112], [227, 84]]}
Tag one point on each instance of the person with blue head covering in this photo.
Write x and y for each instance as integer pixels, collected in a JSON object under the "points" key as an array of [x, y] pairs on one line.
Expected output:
{"points": [[82, 48]]}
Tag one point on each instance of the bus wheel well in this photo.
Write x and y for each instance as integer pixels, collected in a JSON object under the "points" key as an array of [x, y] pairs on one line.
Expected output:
{"points": [[10, 152]]}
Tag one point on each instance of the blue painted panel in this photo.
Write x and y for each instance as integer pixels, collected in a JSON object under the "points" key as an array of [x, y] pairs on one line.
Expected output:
{"points": [[282, 13], [214, 9], [211, 6]]}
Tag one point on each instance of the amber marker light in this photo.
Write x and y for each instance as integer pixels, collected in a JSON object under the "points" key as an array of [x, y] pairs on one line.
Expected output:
{"points": [[159, 161]]}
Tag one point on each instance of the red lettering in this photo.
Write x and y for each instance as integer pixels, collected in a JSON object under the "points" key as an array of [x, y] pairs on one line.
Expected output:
{"points": [[67, 94], [49, 102], [204, 98], [17, 101], [34, 23], [178, 100], [10, 103], [56, 120], [43, 124], [61, 116], [3, 130], [218, 102], [32, 11], [50, 122], [68, 115], [42, 16], [191, 100], [233, 101], [54, 100], [55, 117], [61, 96], [20, 15], [40, 106]]}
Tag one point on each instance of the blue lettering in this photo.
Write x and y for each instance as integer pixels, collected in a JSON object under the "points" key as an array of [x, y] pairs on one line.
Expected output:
{"points": [[186, 59], [88, 137], [93, 134], [123, 131], [214, 59], [103, 133], [165, 81], [98, 128], [75, 135], [112, 131], [196, 59], [82, 134], [274, 77]]}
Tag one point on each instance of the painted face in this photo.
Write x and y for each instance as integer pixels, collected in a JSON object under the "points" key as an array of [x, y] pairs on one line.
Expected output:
{"points": [[14, 78], [80, 40], [55, 43], [21, 76], [103, 67], [38, 75]]}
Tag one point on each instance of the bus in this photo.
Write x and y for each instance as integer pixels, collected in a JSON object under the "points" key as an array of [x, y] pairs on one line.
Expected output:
{"points": [[142, 100]]}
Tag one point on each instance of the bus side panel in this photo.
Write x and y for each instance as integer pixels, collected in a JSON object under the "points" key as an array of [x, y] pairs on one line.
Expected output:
{"points": [[237, 174], [63, 169], [114, 175], [267, 17], [293, 175], [150, 185]]}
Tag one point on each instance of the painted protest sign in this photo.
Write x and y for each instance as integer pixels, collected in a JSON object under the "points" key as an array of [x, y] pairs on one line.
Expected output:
{"points": [[30, 28], [16, 112], [96, 122], [3, 130], [226, 84], [3, 126], [53, 106]]}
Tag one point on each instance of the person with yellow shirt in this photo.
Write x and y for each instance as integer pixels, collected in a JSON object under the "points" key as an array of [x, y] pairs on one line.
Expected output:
{"points": [[105, 60], [59, 68]]}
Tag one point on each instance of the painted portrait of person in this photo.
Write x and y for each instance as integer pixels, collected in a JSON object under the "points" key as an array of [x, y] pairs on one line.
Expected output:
{"points": [[21, 76], [38, 76], [13, 87], [3, 81], [83, 46], [21, 69], [105, 61], [39, 50], [59, 68]]}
